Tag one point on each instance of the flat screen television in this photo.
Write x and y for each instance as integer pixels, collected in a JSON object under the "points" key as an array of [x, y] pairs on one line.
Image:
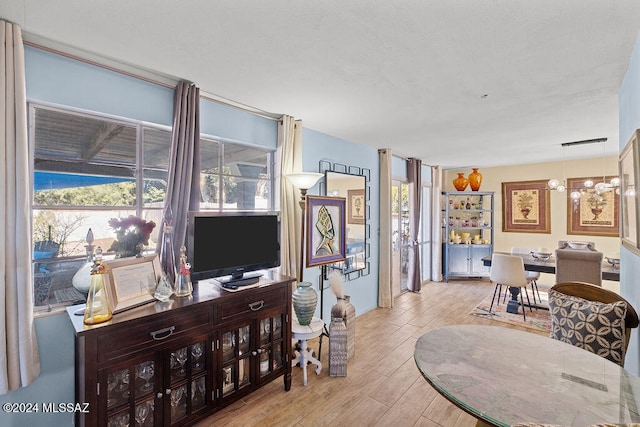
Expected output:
{"points": [[221, 244]]}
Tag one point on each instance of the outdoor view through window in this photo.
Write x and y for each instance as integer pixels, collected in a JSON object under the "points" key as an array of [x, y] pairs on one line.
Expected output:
{"points": [[90, 169]]}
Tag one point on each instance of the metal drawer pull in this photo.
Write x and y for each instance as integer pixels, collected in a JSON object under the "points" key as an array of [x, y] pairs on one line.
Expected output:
{"points": [[168, 331], [255, 306]]}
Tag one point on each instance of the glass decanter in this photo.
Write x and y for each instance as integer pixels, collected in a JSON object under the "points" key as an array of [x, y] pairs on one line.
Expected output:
{"points": [[98, 309], [183, 280], [166, 285]]}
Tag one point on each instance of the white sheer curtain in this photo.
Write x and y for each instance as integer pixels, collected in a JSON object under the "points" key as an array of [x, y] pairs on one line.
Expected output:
{"points": [[436, 215], [385, 264], [19, 358], [289, 160]]}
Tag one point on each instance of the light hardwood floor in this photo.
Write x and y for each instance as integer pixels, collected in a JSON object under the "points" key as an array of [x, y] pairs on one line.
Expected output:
{"points": [[383, 386]]}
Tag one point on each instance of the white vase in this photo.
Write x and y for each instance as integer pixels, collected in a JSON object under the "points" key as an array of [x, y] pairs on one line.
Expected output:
{"points": [[82, 279]]}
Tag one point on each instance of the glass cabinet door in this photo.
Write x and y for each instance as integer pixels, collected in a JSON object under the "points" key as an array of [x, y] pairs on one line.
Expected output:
{"points": [[236, 359], [187, 382], [271, 348], [130, 393]]}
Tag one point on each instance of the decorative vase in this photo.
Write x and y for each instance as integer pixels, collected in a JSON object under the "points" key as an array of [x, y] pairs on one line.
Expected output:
{"points": [[475, 179], [460, 182], [350, 323], [338, 342], [82, 278], [167, 284], [305, 300], [98, 309]]}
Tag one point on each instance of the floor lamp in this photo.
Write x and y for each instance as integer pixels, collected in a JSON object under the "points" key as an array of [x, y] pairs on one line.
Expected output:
{"points": [[303, 181]]}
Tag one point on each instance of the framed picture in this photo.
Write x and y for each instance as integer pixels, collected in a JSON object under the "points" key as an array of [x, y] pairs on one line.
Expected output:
{"points": [[132, 281], [525, 207], [629, 163], [592, 214], [356, 206], [326, 242]]}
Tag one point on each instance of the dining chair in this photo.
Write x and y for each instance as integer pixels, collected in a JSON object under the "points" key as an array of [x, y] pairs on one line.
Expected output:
{"points": [[587, 315], [578, 266], [532, 276], [508, 270]]}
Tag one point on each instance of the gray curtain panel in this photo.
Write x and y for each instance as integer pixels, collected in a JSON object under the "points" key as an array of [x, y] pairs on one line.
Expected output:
{"points": [[414, 172], [183, 193]]}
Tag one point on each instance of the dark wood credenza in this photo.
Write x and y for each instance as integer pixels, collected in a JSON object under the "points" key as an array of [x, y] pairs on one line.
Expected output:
{"points": [[177, 362]]}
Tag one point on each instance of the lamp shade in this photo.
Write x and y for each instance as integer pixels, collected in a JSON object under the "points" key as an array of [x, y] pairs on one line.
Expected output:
{"points": [[304, 180]]}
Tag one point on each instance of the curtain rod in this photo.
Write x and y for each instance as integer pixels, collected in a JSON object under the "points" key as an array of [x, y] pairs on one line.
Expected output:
{"points": [[164, 81], [406, 159]]}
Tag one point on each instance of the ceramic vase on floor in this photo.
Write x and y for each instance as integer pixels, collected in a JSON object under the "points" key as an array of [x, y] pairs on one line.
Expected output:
{"points": [[304, 300], [475, 179], [337, 342], [350, 323], [460, 182]]}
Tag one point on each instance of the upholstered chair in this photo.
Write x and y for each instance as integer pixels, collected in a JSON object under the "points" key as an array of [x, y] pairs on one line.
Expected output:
{"points": [[579, 266], [592, 318]]}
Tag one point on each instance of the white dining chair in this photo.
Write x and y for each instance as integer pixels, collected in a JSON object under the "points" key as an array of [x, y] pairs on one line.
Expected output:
{"points": [[532, 276], [508, 271]]}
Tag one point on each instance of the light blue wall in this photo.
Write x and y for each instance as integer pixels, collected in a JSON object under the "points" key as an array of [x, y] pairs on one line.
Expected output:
{"points": [[629, 108], [317, 146]]}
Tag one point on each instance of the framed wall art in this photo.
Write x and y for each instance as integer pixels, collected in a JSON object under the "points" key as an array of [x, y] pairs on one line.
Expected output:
{"points": [[525, 207], [132, 281], [594, 213], [356, 206], [629, 162], [325, 228]]}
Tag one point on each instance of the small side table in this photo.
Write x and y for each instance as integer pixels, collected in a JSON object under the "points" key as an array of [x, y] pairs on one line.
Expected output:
{"points": [[304, 333]]}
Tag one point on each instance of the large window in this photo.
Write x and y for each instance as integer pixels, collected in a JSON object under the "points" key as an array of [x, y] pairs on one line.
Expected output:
{"points": [[89, 168], [235, 177]]}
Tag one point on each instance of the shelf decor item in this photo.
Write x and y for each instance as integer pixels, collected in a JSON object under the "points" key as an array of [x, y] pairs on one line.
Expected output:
{"points": [[97, 309], [475, 179], [304, 300], [460, 183]]}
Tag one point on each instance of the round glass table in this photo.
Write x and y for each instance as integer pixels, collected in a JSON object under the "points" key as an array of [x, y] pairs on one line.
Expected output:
{"points": [[506, 376]]}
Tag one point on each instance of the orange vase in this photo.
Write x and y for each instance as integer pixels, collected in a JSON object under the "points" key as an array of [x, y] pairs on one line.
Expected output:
{"points": [[460, 182], [475, 179]]}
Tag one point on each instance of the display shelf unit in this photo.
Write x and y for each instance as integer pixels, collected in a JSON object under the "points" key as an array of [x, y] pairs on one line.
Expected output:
{"points": [[472, 213], [177, 362]]}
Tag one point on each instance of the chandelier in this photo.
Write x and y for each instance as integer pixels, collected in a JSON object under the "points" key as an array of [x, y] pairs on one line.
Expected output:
{"points": [[604, 186]]}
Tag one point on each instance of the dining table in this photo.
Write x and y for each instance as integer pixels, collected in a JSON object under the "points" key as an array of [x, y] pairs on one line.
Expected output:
{"points": [[505, 377], [609, 271]]}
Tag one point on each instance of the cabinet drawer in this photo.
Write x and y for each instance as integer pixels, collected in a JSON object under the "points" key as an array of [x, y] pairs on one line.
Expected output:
{"points": [[242, 305], [150, 331]]}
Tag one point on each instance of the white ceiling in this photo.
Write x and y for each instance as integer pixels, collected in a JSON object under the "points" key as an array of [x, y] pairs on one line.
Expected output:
{"points": [[456, 82]]}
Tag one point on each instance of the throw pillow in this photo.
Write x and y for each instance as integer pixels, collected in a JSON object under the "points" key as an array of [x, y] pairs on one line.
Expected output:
{"points": [[591, 325]]}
